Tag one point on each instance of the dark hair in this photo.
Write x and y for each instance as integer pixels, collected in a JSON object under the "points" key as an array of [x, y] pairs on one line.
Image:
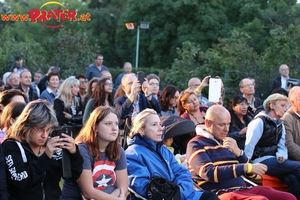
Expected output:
{"points": [[7, 95], [17, 58], [11, 111], [99, 94], [237, 100], [1, 83], [80, 76], [39, 72], [98, 56], [280, 91], [235, 120], [52, 74], [89, 86], [166, 94]]}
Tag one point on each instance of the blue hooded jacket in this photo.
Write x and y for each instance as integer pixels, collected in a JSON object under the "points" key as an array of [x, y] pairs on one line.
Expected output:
{"points": [[143, 162]]}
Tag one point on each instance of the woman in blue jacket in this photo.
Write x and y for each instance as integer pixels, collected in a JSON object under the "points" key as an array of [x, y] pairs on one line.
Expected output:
{"points": [[147, 157]]}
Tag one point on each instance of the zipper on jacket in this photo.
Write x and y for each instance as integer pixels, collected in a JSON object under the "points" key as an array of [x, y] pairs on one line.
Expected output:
{"points": [[42, 184]]}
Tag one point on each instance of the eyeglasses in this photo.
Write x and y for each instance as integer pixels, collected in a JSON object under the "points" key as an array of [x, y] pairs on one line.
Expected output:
{"points": [[154, 84], [83, 82], [249, 85], [42, 130], [109, 84]]}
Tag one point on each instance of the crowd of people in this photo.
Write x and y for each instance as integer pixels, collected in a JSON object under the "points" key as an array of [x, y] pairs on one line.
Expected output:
{"points": [[217, 146]]}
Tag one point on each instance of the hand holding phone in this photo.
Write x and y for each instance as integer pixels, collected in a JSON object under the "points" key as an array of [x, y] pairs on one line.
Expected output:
{"points": [[141, 77], [214, 91], [68, 146]]}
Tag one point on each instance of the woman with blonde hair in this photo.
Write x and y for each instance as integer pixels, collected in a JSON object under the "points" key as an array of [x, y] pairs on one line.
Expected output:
{"points": [[68, 106], [148, 157], [265, 143], [104, 174]]}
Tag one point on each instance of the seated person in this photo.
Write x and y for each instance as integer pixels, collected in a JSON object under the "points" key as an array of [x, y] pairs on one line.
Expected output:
{"points": [[239, 120], [147, 157], [265, 143], [291, 121], [217, 163], [189, 107]]}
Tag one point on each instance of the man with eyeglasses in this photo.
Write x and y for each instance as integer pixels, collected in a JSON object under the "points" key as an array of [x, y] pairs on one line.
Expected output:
{"points": [[133, 98], [248, 91], [82, 87], [14, 81], [153, 81]]}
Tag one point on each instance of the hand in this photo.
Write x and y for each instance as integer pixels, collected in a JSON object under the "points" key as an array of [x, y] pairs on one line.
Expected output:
{"points": [[50, 69], [258, 168], [243, 131], [145, 88], [67, 115], [204, 83], [232, 146], [135, 88], [67, 142], [52, 145], [280, 159]]}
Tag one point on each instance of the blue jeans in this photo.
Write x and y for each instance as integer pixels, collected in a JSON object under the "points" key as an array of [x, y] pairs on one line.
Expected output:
{"points": [[288, 172]]}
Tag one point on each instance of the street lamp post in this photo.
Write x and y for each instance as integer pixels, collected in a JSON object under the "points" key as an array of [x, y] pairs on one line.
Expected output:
{"points": [[142, 25]]}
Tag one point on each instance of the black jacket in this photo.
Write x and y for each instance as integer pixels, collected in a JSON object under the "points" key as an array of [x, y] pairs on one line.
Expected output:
{"points": [[32, 177], [268, 143], [276, 83], [32, 93], [3, 185]]}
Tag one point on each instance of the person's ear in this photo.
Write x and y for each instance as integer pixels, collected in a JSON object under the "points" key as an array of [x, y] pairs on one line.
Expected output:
{"points": [[207, 123], [12, 121], [184, 106], [141, 131]]}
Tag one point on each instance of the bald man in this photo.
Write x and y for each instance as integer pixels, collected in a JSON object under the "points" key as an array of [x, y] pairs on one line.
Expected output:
{"points": [[282, 80], [217, 163]]}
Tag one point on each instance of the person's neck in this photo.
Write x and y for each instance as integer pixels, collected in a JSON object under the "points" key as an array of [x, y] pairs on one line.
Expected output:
{"points": [[54, 90], [81, 92], [102, 145], [24, 87], [272, 114], [99, 66], [249, 97], [241, 117], [171, 107], [37, 150]]}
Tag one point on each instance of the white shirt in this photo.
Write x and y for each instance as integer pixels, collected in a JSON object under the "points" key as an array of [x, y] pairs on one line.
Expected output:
{"points": [[284, 82]]}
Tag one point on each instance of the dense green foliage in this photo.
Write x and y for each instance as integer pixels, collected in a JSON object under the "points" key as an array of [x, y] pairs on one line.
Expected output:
{"points": [[187, 38]]}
